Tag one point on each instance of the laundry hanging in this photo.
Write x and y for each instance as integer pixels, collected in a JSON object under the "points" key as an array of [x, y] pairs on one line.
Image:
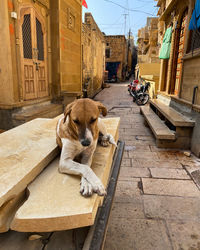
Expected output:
{"points": [[166, 46], [195, 19]]}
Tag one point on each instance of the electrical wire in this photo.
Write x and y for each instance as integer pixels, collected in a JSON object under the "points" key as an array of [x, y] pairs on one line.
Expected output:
{"points": [[133, 10]]}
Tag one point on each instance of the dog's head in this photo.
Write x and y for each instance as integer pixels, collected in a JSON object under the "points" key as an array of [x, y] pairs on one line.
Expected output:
{"points": [[82, 116]]}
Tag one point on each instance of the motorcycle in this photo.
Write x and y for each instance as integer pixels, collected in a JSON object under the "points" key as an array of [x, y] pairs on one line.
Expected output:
{"points": [[142, 95], [139, 92], [132, 87]]}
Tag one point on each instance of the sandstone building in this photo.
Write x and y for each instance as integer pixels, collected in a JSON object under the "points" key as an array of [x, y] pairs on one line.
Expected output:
{"points": [[40, 51], [116, 57], [179, 84], [93, 55], [148, 67]]}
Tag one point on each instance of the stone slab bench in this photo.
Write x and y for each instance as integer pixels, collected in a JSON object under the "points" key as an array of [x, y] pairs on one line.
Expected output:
{"points": [[159, 129], [171, 129], [55, 203], [177, 119], [25, 151]]}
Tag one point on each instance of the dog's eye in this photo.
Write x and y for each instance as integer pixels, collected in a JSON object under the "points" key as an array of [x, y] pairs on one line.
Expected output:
{"points": [[76, 121], [93, 120]]}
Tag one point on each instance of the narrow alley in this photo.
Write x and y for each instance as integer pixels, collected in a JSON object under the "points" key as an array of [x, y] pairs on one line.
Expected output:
{"points": [[156, 203]]}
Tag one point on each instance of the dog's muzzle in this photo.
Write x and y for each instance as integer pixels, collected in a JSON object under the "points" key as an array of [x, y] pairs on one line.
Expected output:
{"points": [[85, 142]]}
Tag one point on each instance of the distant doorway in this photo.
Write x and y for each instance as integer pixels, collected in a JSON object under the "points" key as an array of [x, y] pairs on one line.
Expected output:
{"points": [[33, 54], [112, 68]]}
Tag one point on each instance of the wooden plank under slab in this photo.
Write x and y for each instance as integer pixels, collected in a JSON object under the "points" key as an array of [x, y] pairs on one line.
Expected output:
{"points": [[55, 202], [24, 152]]}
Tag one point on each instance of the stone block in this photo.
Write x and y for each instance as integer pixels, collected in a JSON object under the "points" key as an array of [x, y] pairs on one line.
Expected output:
{"points": [[25, 151], [158, 163], [185, 188], [128, 173], [133, 209], [171, 208], [164, 173], [185, 234], [126, 191], [129, 233]]}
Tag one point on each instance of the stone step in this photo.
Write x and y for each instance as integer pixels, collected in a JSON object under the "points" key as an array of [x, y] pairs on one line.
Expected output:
{"points": [[55, 202], [177, 119], [48, 110], [159, 129], [25, 151]]}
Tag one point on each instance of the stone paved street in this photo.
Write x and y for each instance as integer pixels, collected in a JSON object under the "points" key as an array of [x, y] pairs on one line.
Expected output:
{"points": [[157, 204]]}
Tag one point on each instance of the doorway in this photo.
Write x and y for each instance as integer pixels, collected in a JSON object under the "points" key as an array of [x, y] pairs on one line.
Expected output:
{"points": [[33, 54]]}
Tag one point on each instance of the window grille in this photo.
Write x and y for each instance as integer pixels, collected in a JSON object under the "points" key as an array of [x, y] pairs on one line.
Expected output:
{"points": [[40, 40], [26, 34], [195, 39]]}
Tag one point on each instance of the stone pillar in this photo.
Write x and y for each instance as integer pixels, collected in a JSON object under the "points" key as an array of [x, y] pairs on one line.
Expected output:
{"points": [[6, 75]]}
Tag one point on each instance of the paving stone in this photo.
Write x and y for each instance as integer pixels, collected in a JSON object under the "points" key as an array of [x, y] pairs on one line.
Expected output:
{"points": [[126, 163], [144, 155], [126, 191], [131, 234], [171, 208], [166, 155], [157, 164], [184, 235], [134, 209], [128, 173], [185, 188], [137, 148], [165, 173]]}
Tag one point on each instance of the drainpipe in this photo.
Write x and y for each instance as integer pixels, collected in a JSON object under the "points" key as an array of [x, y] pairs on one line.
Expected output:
{"points": [[194, 94]]}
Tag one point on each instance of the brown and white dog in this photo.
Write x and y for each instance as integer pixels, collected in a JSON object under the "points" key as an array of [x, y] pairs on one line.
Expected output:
{"points": [[77, 134]]}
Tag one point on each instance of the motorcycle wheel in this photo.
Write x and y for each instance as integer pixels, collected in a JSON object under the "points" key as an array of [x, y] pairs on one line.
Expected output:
{"points": [[142, 99]]}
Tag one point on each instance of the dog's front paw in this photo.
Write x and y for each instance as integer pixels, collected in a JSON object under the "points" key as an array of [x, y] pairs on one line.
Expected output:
{"points": [[86, 188], [104, 141], [99, 189]]}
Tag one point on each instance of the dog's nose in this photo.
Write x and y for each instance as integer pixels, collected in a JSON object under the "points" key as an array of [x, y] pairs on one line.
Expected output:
{"points": [[85, 142]]}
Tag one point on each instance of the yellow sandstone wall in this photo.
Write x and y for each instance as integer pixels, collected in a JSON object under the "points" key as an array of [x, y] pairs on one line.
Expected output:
{"points": [[66, 44], [6, 69], [93, 55]]}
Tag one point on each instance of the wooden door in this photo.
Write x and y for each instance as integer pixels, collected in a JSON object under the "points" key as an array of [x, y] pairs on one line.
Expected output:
{"points": [[180, 53], [33, 54]]}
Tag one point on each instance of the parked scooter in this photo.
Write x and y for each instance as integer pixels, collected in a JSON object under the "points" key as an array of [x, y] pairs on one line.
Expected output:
{"points": [[139, 92]]}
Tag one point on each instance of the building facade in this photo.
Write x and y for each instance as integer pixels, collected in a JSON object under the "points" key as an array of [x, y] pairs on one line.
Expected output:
{"points": [[93, 56], [41, 44], [179, 84], [116, 57], [148, 67]]}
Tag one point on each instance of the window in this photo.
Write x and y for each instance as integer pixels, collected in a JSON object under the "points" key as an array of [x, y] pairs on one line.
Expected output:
{"points": [[107, 44], [107, 53], [194, 42]]}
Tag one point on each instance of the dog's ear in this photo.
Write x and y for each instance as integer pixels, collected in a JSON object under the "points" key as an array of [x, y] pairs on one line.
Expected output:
{"points": [[67, 111], [102, 108]]}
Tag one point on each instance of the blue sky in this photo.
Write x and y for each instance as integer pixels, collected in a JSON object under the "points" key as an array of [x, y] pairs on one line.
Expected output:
{"points": [[110, 17]]}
